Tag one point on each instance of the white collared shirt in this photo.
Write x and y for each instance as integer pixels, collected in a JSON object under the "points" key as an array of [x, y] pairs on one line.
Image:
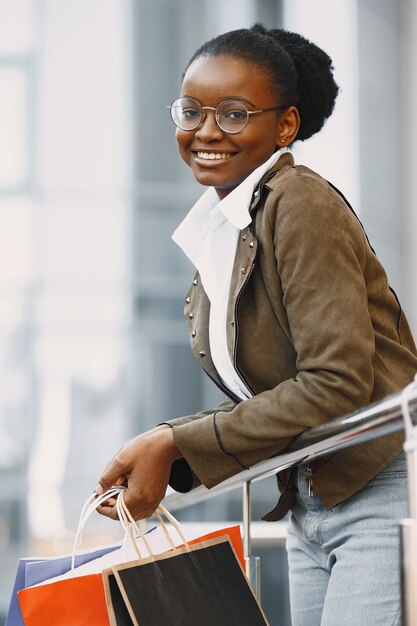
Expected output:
{"points": [[208, 236]]}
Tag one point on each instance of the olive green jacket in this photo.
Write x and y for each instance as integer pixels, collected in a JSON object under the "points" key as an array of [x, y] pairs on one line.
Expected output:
{"points": [[314, 331]]}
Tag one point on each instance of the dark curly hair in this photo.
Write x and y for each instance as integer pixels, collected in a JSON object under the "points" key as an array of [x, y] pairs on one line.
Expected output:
{"points": [[301, 73]]}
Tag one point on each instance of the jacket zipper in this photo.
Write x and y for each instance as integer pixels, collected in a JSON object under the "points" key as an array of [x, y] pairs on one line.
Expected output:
{"points": [[308, 476], [242, 378], [237, 330]]}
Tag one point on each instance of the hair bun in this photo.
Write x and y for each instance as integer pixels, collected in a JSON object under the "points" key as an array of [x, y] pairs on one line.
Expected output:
{"points": [[316, 87]]}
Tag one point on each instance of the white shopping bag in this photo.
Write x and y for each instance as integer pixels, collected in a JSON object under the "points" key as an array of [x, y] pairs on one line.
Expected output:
{"points": [[128, 551]]}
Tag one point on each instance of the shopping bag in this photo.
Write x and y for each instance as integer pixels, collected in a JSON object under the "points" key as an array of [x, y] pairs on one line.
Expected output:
{"points": [[33, 571], [118, 611], [200, 584], [39, 571], [116, 606], [42, 609], [71, 597], [72, 602], [68, 599], [233, 532], [14, 615]]}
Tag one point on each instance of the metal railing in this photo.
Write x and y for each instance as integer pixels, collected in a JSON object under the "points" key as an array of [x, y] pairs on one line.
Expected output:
{"points": [[374, 421]]}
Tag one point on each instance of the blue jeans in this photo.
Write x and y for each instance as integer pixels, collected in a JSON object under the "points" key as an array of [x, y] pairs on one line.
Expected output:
{"points": [[344, 564]]}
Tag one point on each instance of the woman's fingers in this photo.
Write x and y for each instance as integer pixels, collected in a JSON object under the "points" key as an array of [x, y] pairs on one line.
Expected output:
{"points": [[143, 465]]}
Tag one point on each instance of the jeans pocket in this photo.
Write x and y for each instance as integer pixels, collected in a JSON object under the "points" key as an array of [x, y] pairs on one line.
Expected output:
{"points": [[389, 475], [395, 470]]}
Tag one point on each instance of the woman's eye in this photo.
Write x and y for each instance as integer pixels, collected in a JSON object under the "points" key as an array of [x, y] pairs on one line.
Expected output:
{"points": [[190, 114], [236, 116]]}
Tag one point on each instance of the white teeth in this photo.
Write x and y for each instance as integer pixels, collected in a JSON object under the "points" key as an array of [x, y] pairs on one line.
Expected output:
{"points": [[211, 156]]}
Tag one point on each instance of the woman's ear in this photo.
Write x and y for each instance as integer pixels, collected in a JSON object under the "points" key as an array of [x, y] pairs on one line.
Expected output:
{"points": [[289, 124]]}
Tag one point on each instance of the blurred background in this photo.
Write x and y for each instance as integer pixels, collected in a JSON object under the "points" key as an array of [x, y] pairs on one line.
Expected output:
{"points": [[93, 348]]}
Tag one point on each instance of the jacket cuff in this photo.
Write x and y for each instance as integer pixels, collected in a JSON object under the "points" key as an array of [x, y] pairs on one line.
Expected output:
{"points": [[198, 443], [182, 478]]}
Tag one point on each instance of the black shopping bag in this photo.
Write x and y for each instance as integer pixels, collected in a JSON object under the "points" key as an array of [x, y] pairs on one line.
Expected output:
{"points": [[196, 585], [118, 612]]}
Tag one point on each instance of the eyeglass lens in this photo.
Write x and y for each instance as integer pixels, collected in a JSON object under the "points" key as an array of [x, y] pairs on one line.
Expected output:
{"points": [[231, 115]]}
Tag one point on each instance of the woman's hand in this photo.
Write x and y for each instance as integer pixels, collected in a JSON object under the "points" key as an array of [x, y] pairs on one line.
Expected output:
{"points": [[143, 465]]}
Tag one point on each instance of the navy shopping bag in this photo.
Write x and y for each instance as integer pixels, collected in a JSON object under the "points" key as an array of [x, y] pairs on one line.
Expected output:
{"points": [[14, 615], [35, 571]]}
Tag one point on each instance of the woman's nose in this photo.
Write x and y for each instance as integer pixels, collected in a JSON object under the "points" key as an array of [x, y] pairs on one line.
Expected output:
{"points": [[209, 129]]}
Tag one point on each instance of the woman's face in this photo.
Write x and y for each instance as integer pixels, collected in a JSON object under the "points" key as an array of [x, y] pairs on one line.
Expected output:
{"points": [[210, 80]]}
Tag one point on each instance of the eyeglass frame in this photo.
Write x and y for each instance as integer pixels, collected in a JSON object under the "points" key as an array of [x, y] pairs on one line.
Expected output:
{"points": [[216, 116]]}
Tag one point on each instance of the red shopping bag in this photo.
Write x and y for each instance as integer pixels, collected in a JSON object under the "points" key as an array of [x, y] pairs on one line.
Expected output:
{"points": [[71, 602], [233, 532]]}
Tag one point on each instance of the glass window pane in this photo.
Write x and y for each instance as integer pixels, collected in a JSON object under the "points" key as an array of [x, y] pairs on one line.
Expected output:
{"points": [[16, 31], [16, 264], [12, 126]]}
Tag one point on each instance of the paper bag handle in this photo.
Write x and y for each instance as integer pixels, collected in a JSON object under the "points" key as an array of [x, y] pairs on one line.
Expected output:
{"points": [[124, 511], [90, 505]]}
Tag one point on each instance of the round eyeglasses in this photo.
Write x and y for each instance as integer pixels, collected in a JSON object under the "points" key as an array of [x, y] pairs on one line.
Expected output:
{"points": [[231, 116]]}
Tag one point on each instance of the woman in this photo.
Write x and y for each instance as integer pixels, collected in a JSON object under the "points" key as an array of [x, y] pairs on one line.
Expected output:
{"points": [[291, 315]]}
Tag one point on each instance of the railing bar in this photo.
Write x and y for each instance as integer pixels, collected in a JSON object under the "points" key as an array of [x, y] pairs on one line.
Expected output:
{"points": [[272, 466], [246, 504], [373, 421]]}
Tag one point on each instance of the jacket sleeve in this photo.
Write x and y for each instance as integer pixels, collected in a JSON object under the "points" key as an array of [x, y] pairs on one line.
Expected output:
{"points": [[320, 254], [182, 477]]}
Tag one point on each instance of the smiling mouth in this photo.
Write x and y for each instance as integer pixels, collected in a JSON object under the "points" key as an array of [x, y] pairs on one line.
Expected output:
{"points": [[213, 156]]}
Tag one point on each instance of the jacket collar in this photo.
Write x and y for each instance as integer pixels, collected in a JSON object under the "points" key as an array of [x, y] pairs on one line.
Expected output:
{"points": [[285, 160]]}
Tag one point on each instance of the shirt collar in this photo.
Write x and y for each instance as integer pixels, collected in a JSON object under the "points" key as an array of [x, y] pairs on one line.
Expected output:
{"points": [[234, 207]]}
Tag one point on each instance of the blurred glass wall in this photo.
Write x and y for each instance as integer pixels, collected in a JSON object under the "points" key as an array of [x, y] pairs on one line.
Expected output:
{"points": [[65, 213], [93, 348]]}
